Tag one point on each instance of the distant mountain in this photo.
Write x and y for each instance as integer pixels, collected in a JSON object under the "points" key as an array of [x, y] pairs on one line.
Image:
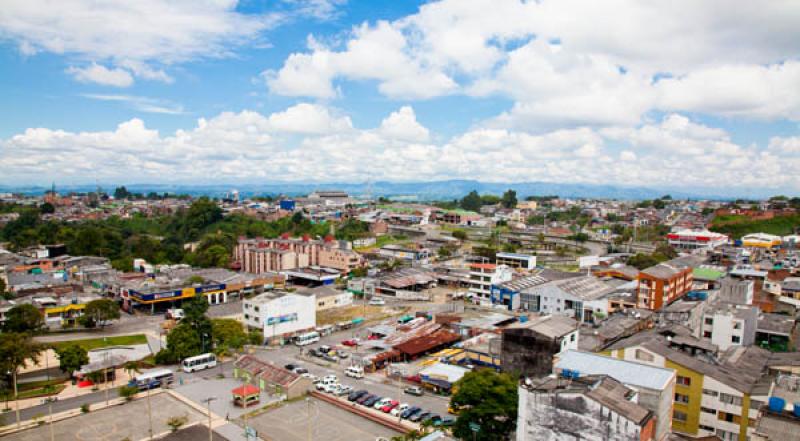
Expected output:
{"points": [[422, 191]]}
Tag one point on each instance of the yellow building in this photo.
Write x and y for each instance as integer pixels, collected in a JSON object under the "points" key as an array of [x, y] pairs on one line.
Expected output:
{"points": [[710, 399], [761, 240]]}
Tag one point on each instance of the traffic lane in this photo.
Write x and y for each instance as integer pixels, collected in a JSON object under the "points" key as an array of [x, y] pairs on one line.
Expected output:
{"points": [[60, 405]]}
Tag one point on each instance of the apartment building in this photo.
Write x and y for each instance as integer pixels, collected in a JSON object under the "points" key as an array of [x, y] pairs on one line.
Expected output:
{"points": [[280, 315], [714, 394], [597, 407], [274, 255], [662, 284], [529, 348], [728, 324], [516, 260], [483, 275]]}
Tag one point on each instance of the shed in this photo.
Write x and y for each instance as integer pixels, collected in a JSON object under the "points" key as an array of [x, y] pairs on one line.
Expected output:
{"points": [[246, 395]]}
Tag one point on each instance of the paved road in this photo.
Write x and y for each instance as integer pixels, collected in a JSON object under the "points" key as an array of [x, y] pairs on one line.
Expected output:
{"points": [[59, 406]]}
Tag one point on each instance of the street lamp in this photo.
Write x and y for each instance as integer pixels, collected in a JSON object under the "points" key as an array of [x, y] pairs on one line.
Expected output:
{"points": [[208, 406], [16, 396]]}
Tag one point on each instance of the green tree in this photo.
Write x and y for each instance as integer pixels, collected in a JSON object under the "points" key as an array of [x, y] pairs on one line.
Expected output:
{"points": [[71, 358], [121, 193], [509, 199], [182, 342], [642, 261], [128, 392], [16, 350], [228, 334], [487, 399], [101, 311], [659, 204], [459, 234], [47, 208], [579, 237], [471, 201], [24, 318]]}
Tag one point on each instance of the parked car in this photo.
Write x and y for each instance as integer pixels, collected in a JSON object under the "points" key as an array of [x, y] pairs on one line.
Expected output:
{"points": [[382, 402], [350, 342], [356, 395], [342, 354], [330, 387], [331, 358], [377, 301], [397, 411], [386, 408], [300, 370], [324, 349], [343, 390], [413, 410], [446, 421], [420, 417], [366, 397], [433, 418], [354, 371], [371, 402], [414, 390], [291, 367]]}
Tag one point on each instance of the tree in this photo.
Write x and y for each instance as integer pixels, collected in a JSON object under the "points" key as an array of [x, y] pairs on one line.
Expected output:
{"points": [[17, 349], [486, 399], [47, 208], [228, 334], [471, 202], [579, 237], [101, 311], [182, 342], [128, 392], [509, 199], [121, 193], [659, 204], [642, 261], [71, 358], [459, 234], [24, 318]]}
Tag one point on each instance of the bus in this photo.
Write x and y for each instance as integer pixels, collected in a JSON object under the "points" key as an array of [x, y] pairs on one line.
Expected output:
{"points": [[306, 339], [152, 378], [198, 362]]}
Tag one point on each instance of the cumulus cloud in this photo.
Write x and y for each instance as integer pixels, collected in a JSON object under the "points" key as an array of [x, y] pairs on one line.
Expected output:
{"points": [[563, 66], [403, 125]]}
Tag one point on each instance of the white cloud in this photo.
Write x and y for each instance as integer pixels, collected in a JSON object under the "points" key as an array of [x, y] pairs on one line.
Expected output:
{"points": [[141, 103], [627, 155], [403, 125], [96, 73], [785, 146], [309, 118]]}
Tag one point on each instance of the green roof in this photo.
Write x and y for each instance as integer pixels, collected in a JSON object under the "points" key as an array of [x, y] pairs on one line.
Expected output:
{"points": [[707, 274]]}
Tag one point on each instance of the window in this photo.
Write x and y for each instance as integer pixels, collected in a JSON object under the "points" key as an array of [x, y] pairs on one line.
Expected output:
{"points": [[707, 410], [681, 398], [736, 339], [707, 334], [572, 337], [737, 325], [727, 436], [728, 417], [709, 320], [683, 381], [707, 428], [679, 416], [730, 399], [643, 355], [710, 393]]}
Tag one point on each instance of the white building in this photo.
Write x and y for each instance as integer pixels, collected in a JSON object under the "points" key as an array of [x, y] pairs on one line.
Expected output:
{"points": [[515, 260], [728, 324], [280, 314], [694, 239], [483, 275], [583, 298]]}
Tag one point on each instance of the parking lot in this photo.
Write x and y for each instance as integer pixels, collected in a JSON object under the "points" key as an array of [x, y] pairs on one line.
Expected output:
{"points": [[290, 422], [128, 421]]}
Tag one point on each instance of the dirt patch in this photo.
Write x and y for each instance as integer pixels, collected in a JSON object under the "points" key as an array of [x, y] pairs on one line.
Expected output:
{"points": [[347, 313]]}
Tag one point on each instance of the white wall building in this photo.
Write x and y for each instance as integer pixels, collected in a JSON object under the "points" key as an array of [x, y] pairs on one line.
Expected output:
{"points": [[280, 314], [483, 275], [515, 260], [727, 324], [693, 240]]}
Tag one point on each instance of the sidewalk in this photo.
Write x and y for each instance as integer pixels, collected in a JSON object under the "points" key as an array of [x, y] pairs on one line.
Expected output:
{"points": [[72, 391]]}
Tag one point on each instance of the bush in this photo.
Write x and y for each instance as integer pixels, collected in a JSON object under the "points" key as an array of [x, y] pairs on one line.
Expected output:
{"points": [[128, 392], [165, 356], [85, 408], [176, 422]]}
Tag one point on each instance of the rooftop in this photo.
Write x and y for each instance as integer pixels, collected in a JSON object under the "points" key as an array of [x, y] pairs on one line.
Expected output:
{"points": [[626, 372], [552, 326]]}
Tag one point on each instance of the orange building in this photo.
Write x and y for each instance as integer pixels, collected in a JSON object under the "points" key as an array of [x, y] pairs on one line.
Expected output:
{"points": [[662, 284]]}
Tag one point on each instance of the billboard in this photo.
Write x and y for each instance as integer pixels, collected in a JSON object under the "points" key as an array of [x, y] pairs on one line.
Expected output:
{"points": [[588, 261]]}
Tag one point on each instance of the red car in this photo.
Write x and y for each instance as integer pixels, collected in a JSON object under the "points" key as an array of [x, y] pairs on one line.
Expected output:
{"points": [[351, 342], [388, 408]]}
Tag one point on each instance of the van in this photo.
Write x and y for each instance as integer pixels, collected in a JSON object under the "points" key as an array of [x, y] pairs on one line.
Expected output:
{"points": [[175, 314], [355, 372], [377, 301]]}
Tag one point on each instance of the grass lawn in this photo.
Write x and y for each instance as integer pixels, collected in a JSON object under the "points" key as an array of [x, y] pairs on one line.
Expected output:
{"points": [[102, 342]]}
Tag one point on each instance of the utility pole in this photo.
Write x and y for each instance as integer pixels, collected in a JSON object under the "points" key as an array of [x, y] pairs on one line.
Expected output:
{"points": [[308, 426], [208, 407], [16, 397], [50, 411], [105, 374], [149, 413]]}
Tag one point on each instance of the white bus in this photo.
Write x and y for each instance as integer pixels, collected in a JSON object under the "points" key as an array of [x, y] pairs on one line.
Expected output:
{"points": [[306, 339], [152, 378], [198, 362]]}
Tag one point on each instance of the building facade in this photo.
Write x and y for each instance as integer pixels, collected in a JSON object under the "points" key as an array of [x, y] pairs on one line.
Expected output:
{"points": [[483, 275], [280, 315], [662, 284]]}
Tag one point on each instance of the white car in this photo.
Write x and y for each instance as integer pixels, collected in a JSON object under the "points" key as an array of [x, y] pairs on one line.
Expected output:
{"points": [[382, 402], [400, 409], [377, 301], [343, 390], [331, 378], [331, 388]]}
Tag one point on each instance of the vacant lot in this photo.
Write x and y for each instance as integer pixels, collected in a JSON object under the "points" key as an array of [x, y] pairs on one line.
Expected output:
{"points": [[347, 313]]}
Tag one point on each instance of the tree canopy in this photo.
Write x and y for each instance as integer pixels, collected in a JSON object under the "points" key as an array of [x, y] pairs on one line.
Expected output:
{"points": [[471, 201], [24, 318], [486, 399], [101, 311], [509, 199], [16, 349], [71, 358]]}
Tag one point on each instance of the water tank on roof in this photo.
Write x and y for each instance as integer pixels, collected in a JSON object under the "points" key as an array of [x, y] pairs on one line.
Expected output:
{"points": [[776, 404], [796, 410]]}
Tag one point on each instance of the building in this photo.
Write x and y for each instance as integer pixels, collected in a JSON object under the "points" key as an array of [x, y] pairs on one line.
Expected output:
{"points": [[328, 297], [415, 256], [761, 240], [714, 394], [529, 348], [728, 324], [662, 284], [517, 261], [280, 315], [695, 240], [655, 385], [591, 408], [276, 255], [512, 294], [582, 298], [483, 275], [270, 378]]}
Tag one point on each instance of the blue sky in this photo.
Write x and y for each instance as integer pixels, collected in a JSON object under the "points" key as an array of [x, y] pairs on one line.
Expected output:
{"points": [[707, 96]]}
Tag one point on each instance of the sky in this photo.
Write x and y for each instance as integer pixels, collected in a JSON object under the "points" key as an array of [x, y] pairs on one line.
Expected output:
{"points": [[683, 94]]}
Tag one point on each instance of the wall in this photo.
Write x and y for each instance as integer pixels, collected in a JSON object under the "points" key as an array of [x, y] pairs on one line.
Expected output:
{"points": [[694, 391], [528, 354]]}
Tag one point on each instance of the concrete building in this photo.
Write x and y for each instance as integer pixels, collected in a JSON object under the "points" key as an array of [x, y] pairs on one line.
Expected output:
{"points": [[328, 297], [415, 256], [696, 240], [714, 394], [516, 260], [512, 293], [483, 275], [582, 298], [761, 240], [529, 348], [727, 324], [270, 378], [280, 315], [275, 255], [662, 284], [592, 408], [655, 385]]}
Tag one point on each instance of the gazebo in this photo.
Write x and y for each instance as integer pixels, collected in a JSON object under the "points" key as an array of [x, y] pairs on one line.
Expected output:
{"points": [[246, 395]]}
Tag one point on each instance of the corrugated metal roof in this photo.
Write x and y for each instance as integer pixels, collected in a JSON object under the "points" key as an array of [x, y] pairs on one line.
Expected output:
{"points": [[626, 372]]}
